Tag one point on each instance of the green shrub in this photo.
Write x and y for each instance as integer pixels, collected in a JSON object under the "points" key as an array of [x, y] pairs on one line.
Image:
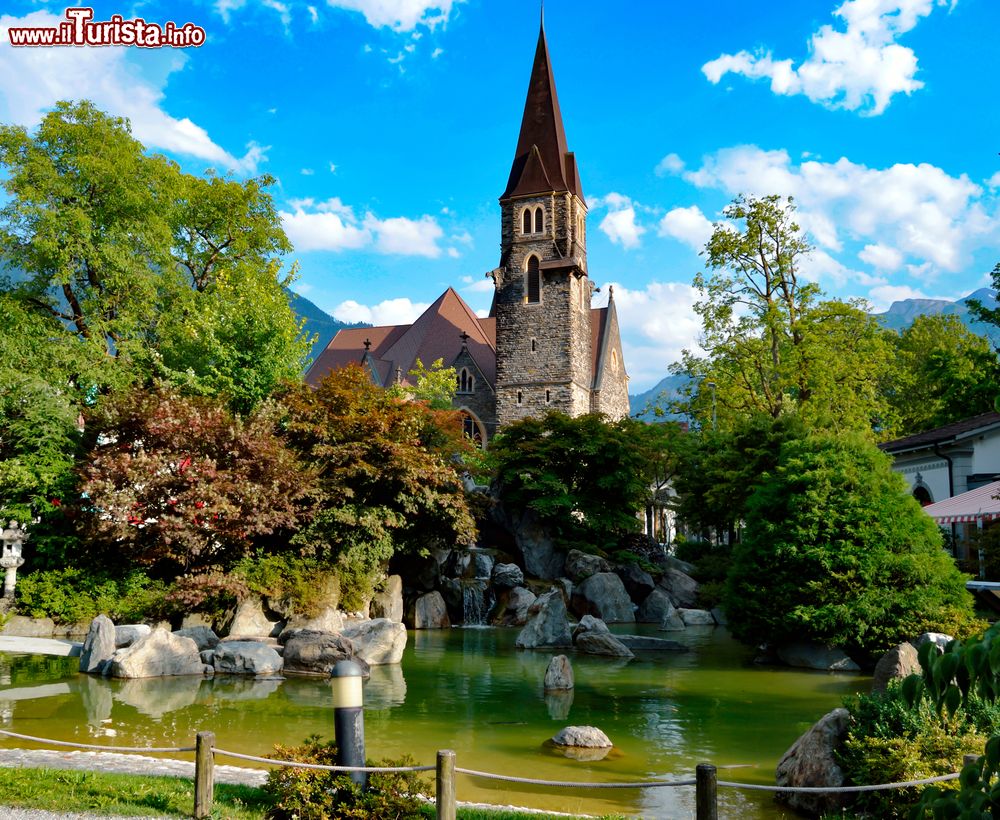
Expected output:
{"points": [[73, 595], [306, 583], [305, 794]]}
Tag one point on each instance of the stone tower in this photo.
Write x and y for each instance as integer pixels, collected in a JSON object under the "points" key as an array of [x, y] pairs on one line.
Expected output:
{"points": [[542, 298]]}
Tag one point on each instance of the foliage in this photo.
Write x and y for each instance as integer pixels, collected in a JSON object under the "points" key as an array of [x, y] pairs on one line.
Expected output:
{"points": [[837, 552], [434, 385], [978, 311], [771, 345], [987, 540], [944, 372], [211, 592], [388, 477], [177, 483], [304, 582], [72, 595], [308, 794], [584, 478]]}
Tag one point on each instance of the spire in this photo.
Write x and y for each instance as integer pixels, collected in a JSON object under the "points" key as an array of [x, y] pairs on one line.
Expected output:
{"points": [[551, 167]]}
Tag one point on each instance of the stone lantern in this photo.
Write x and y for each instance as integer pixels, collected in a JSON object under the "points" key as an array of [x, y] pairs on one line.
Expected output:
{"points": [[12, 539]]}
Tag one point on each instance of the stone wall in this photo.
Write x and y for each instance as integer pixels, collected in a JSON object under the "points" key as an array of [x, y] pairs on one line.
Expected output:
{"points": [[482, 401], [611, 395]]}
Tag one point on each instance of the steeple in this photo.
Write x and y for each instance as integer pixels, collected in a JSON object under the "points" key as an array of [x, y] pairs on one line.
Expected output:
{"points": [[542, 162]]}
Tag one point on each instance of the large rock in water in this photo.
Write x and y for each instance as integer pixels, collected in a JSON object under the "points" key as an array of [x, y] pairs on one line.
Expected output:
{"points": [[204, 636], [128, 634], [541, 558], [681, 588], [657, 609], [98, 646], [898, 662], [638, 583], [558, 674], [588, 737], [246, 658], [308, 652], [430, 612], [581, 565], [814, 656], [548, 626], [159, 654], [602, 643], [379, 641], [811, 761], [507, 576], [251, 622], [696, 617], [603, 595], [388, 602], [513, 607]]}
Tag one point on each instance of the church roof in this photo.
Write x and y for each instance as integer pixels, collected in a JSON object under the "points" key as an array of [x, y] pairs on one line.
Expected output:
{"points": [[542, 161]]}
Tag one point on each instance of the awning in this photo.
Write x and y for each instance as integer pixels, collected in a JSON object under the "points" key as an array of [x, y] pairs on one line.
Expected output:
{"points": [[975, 505]]}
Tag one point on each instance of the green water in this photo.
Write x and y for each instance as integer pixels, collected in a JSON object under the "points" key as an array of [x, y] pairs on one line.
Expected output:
{"points": [[470, 690]]}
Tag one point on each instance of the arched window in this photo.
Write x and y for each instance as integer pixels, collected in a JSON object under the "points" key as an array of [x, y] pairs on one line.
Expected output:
{"points": [[526, 221], [534, 345], [614, 358], [539, 220], [923, 495], [548, 396], [520, 397], [472, 428], [466, 381], [533, 285]]}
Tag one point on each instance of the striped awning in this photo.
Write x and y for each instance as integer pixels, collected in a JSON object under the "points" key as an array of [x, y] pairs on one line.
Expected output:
{"points": [[975, 505]]}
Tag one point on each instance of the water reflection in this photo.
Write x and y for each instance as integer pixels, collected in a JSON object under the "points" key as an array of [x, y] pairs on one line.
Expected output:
{"points": [[559, 703], [157, 697]]}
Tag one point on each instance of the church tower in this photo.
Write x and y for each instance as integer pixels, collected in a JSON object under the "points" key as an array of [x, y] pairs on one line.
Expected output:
{"points": [[542, 298]]}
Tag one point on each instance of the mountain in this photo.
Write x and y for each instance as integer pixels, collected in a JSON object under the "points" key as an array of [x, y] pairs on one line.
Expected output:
{"points": [[642, 404], [318, 321]]}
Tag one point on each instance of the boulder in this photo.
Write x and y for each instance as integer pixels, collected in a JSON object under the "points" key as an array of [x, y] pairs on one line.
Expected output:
{"points": [[246, 658], [98, 646], [430, 612], [507, 576], [811, 761], [939, 639], [208, 657], [328, 619], [581, 565], [548, 624], [454, 598], [513, 606], [558, 674], [251, 622], [638, 583], [19, 626], [388, 602], [672, 562], [541, 557], [309, 652], [376, 642], [681, 588], [588, 737], [481, 565], [647, 643], [196, 619], [602, 643], [815, 656], [203, 636], [604, 595], [160, 653], [696, 617], [128, 634], [655, 608], [720, 616], [588, 623], [898, 662]]}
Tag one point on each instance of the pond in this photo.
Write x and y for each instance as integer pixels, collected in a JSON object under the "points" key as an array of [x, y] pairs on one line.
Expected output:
{"points": [[470, 690]]}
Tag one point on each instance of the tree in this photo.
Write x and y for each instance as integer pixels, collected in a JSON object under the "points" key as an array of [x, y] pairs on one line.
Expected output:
{"points": [[388, 475], [585, 478], [179, 484], [435, 385], [771, 346], [837, 552]]}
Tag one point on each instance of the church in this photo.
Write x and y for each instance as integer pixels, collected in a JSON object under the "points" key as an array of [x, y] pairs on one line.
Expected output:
{"points": [[542, 347]]}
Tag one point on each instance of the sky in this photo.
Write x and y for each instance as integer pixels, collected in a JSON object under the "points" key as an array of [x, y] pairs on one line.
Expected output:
{"points": [[389, 127]]}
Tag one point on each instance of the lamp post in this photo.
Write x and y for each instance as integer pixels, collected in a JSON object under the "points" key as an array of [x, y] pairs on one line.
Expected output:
{"points": [[349, 718], [13, 538], [711, 386]]}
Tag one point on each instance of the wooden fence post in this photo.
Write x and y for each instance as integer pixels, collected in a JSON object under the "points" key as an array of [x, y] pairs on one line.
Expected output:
{"points": [[446, 785], [706, 798], [204, 774]]}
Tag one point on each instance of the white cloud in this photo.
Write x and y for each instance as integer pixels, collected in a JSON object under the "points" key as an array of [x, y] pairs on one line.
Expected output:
{"points": [[323, 232], [619, 224], [882, 257], [918, 212], [476, 285], [32, 80], [307, 172], [399, 15], [670, 164], [689, 225], [409, 237], [333, 168], [861, 67], [884, 295], [313, 14], [390, 312], [437, 53], [453, 253], [994, 181]]}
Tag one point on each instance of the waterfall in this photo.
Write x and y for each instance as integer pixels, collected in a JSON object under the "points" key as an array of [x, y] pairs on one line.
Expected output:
{"points": [[477, 600]]}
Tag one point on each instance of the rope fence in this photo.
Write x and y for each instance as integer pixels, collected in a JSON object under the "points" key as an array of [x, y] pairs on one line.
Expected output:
{"points": [[705, 781]]}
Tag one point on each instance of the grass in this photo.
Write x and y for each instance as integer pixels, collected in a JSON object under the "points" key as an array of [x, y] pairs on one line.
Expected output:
{"points": [[59, 790]]}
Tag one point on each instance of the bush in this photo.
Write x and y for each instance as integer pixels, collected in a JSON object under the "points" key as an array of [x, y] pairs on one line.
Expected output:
{"points": [[304, 582], [71, 595], [304, 794], [836, 551]]}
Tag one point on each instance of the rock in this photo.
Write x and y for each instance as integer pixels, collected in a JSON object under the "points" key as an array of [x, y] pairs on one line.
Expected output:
{"points": [[203, 636], [581, 565], [681, 588], [208, 657], [71, 632], [430, 612], [379, 641], [196, 619], [454, 598], [159, 653], [548, 624], [482, 564], [250, 621], [314, 653], [604, 595], [128, 634], [646, 643], [327, 620], [19, 626], [507, 576], [638, 583], [655, 608], [588, 623], [388, 602], [541, 557], [558, 703], [99, 644], [558, 674], [814, 656], [588, 737], [566, 585], [938, 638], [811, 761], [696, 617], [602, 643], [672, 562], [512, 609], [896, 663], [427, 575], [246, 658], [720, 616]]}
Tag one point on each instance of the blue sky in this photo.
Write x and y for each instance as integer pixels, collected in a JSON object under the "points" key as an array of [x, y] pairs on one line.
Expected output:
{"points": [[390, 126]]}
